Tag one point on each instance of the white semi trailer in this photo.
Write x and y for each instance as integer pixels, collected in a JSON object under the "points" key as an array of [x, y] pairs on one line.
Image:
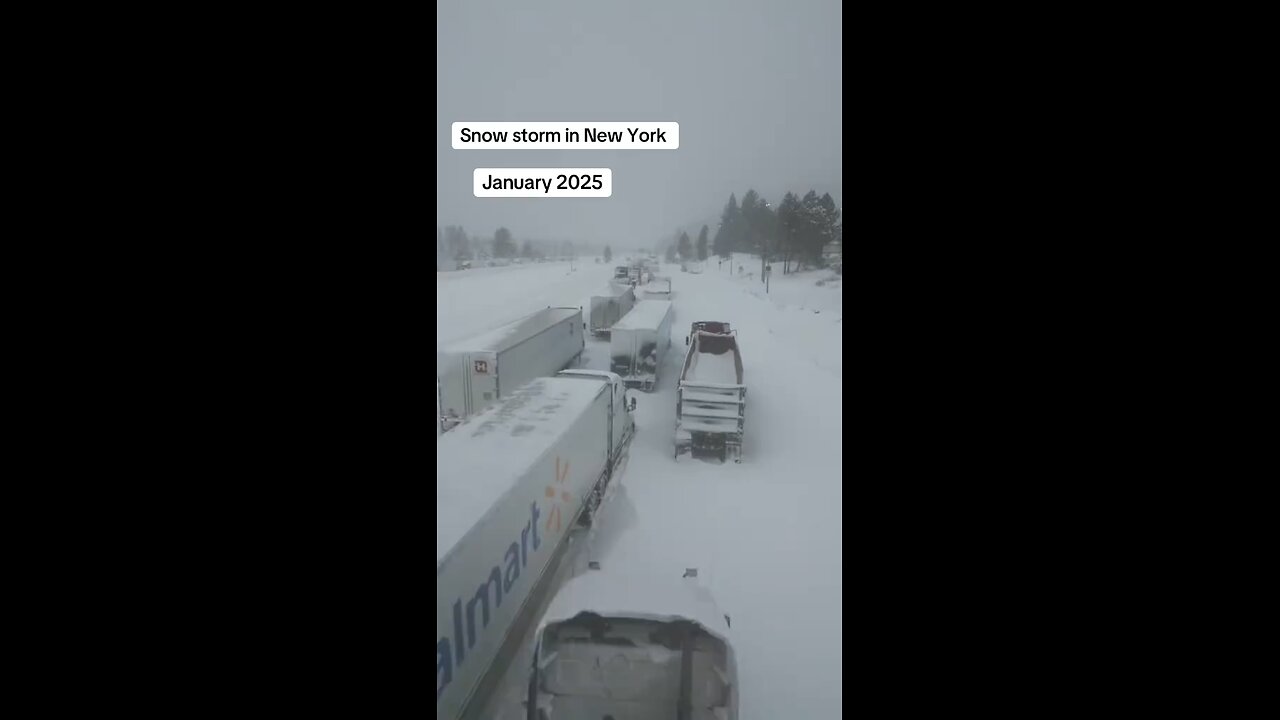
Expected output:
{"points": [[476, 372], [612, 645], [640, 341], [511, 483], [609, 308]]}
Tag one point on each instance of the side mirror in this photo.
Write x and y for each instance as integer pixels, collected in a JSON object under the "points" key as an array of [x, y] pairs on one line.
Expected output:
{"points": [[686, 339], [633, 404]]}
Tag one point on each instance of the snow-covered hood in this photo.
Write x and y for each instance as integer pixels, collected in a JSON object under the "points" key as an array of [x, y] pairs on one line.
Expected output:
{"points": [[619, 595]]}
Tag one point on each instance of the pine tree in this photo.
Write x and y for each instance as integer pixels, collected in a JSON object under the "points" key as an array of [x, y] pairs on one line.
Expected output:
{"points": [[725, 241], [746, 237], [812, 229], [671, 253], [456, 243], [526, 250], [503, 245], [685, 247], [608, 253], [702, 243], [788, 229]]}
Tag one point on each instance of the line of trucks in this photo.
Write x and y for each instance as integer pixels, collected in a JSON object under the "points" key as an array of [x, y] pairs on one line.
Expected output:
{"points": [[530, 455]]}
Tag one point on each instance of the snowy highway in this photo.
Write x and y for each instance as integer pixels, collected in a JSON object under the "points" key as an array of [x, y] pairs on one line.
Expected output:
{"points": [[765, 534]]}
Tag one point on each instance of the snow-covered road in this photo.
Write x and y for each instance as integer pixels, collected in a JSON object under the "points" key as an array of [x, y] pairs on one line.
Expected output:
{"points": [[765, 534]]}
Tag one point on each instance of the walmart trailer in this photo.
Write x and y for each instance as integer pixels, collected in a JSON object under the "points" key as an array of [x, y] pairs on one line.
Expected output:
{"points": [[510, 485], [479, 371]]}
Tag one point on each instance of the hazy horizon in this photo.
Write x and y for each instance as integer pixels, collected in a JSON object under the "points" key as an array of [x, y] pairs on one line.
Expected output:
{"points": [[755, 86]]}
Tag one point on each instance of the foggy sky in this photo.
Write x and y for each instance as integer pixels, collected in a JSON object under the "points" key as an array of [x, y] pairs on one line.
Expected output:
{"points": [[755, 86]]}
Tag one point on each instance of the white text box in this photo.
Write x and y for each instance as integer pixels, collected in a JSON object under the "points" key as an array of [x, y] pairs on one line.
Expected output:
{"points": [[566, 136], [543, 182]]}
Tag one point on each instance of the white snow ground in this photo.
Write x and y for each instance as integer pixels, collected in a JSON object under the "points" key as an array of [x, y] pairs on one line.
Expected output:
{"points": [[765, 534]]}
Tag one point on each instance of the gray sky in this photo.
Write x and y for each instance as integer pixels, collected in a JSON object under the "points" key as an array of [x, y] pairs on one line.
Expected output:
{"points": [[755, 86]]}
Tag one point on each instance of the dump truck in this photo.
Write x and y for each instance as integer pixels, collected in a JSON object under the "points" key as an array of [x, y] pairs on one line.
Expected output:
{"points": [[639, 342], [512, 482], [476, 372], [711, 397], [610, 646], [609, 308]]}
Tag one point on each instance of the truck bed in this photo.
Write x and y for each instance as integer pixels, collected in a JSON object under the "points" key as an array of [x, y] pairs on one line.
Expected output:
{"points": [[705, 367], [711, 397]]}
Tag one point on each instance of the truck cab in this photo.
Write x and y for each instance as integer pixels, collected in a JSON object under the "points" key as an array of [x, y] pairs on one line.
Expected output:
{"points": [[613, 647]]}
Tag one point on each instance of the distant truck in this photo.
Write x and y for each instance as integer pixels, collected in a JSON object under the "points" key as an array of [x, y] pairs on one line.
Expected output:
{"points": [[659, 288], [609, 646], [478, 371], [510, 486], [609, 308], [621, 272], [711, 397], [639, 342]]}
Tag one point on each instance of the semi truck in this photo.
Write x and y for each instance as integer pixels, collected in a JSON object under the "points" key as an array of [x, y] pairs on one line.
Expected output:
{"points": [[609, 646], [639, 342], [511, 484], [609, 308], [477, 372], [711, 397], [659, 288]]}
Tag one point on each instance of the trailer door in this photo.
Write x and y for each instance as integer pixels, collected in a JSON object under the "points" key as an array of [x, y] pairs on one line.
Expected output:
{"points": [[481, 373]]}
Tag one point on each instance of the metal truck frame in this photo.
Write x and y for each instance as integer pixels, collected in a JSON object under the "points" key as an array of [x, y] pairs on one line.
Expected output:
{"points": [[710, 416]]}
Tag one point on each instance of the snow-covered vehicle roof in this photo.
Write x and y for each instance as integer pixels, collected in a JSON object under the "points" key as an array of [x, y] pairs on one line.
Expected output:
{"points": [[621, 595], [646, 315], [513, 333], [614, 290]]}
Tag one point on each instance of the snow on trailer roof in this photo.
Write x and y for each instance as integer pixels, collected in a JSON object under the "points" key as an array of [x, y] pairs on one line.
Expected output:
{"points": [[513, 333], [481, 460], [622, 596], [647, 314], [614, 290]]}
